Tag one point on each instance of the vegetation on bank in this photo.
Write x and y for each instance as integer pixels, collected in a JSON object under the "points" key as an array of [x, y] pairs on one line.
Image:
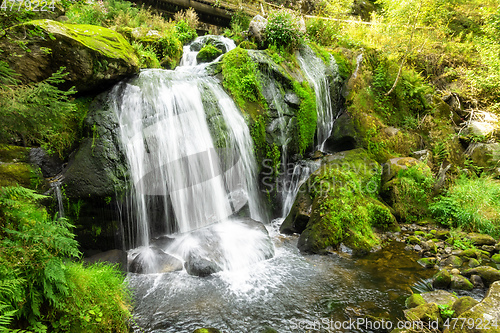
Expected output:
{"points": [[42, 288]]}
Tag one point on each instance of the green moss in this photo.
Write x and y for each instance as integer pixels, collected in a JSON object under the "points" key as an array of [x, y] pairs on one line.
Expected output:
{"points": [[240, 79], [12, 174], [414, 300], [208, 53], [441, 279], [247, 45], [9, 153], [343, 64], [306, 115], [496, 258], [105, 41]]}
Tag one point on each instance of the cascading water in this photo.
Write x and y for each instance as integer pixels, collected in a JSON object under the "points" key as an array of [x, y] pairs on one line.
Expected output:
{"points": [[315, 71], [200, 171]]}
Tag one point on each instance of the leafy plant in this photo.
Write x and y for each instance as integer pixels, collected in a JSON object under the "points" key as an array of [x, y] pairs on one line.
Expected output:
{"points": [[283, 30], [446, 311]]}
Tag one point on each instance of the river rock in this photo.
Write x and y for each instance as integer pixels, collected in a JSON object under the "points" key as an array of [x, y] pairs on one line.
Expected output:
{"points": [[154, 260], [94, 56], [452, 261], [477, 281], [426, 313], [496, 258], [488, 274], [473, 263], [481, 239], [441, 279], [486, 313], [463, 304], [459, 282], [440, 297], [414, 300]]}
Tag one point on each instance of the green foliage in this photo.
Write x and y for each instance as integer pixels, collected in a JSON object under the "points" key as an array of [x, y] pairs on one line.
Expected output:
{"points": [[40, 290], [240, 22], [306, 116], [322, 31], [168, 49], [470, 204], [283, 30], [240, 78], [147, 56], [446, 311], [184, 32], [39, 113]]}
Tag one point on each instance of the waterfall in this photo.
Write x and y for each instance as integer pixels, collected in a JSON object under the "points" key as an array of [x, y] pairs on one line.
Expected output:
{"points": [[189, 150], [315, 72], [55, 184]]}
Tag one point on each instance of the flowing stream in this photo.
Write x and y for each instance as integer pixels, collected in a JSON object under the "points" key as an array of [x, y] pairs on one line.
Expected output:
{"points": [[191, 161]]}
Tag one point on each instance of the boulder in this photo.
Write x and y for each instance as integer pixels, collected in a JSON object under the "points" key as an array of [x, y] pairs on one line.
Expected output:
{"points": [[13, 167], [459, 282], [484, 315], [338, 218], [50, 165], [257, 28], [452, 261], [477, 281], [440, 297], [426, 313], [484, 155], [94, 56], [488, 274], [441, 279], [481, 239], [99, 167], [496, 258], [154, 260], [414, 300], [463, 304]]}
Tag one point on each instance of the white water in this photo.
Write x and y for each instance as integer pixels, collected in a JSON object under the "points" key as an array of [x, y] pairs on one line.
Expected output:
{"points": [[174, 162], [315, 71]]}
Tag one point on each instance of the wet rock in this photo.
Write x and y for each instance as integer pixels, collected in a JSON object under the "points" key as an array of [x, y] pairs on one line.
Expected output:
{"points": [[200, 266], [488, 274], [154, 260], [484, 312], [257, 28], [452, 261], [477, 281], [480, 239], [463, 304], [441, 279], [344, 135], [50, 165], [112, 257], [440, 297], [300, 213], [94, 57], [417, 248], [473, 263], [458, 282], [414, 300]]}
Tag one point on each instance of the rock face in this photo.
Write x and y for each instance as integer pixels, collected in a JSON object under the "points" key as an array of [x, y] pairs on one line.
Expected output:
{"points": [[342, 204], [93, 56], [98, 168]]}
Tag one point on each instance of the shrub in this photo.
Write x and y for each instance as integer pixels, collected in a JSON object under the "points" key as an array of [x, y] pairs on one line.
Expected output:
{"points": [[283, 30], [185, 33], [39, 288], [208, 53], [470, 204]]}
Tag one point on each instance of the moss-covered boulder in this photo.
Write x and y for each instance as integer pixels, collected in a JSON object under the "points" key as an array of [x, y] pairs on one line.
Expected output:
{"points": [[426, 313], [486, 313], [481, 239], [208, 53], [496, 258], [392, 167], [452, 261], [427, 262], [488, 274], [344, 204], [441, 279], [485, 155], [14, 169], [414, 300], [458, 282], [463, 304], [93, 56]]}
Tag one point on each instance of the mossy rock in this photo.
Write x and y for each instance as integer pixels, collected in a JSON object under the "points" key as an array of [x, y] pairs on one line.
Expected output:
{"points": [[469, 253], [208, 53], [413, 240], [440, 297], [488, 274], [453, 261], [496, 258], [12, 174], [427, 262], [458, 282], [247, 45], [481, 239], [463, 304], [206, 330], [94, 56], [474, 263], [426, 313], [441, 279], [345, 207], [419, 233], [13, 154], [414, 300], [442, 234]]}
